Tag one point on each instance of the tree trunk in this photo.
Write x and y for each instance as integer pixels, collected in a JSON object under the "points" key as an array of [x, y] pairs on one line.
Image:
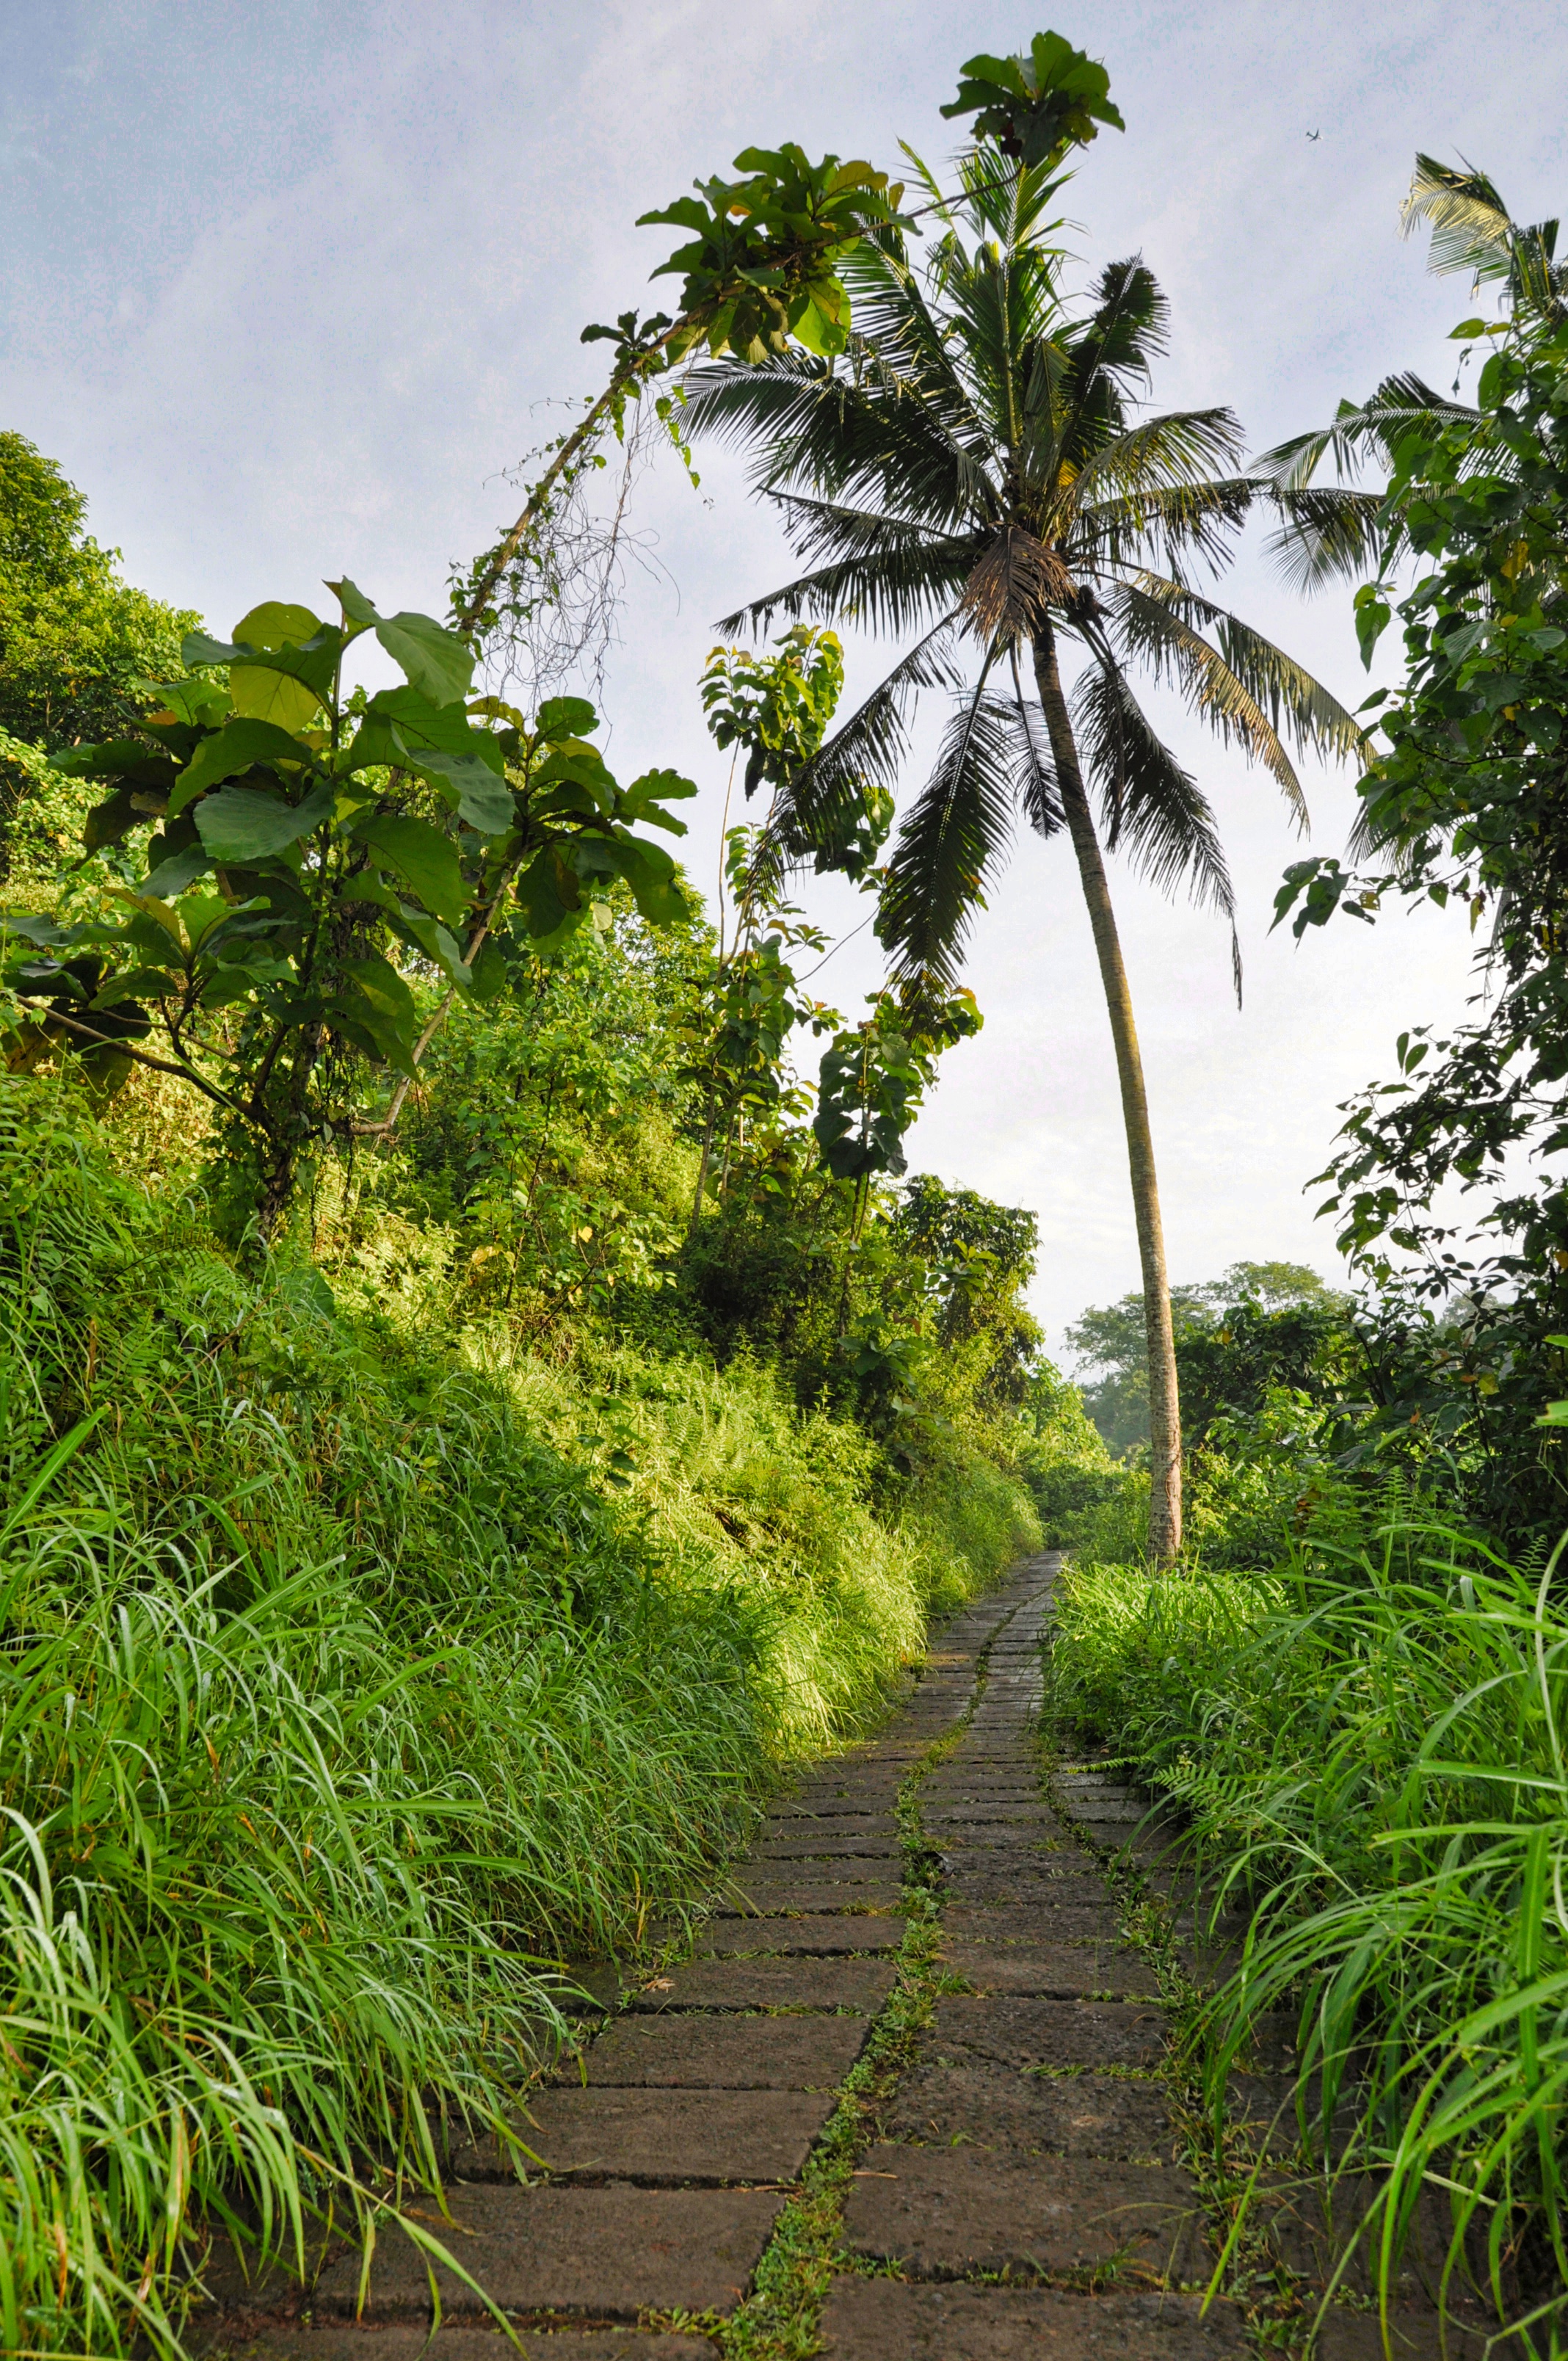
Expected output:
{"points": [[1165, 1407], [702, 1169]]}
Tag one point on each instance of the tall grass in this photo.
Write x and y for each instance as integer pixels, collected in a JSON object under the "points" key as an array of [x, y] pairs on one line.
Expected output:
{"points": [[1373, 1755], [348, 1682]]}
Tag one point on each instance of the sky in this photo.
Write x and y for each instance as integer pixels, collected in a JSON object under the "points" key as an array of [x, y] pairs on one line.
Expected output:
{"points": [[285, 289]]}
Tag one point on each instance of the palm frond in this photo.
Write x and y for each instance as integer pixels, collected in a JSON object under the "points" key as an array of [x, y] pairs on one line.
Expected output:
{"points": [[1471, 227], [1401, 405], [816, 431], [1007, 200], [1182, 448], [899, 345], [1150, 806], [1167, 525], [894, 589], [952, 839], [1035, 777], [1244, 688], [1330, 533], [1112, 357]]}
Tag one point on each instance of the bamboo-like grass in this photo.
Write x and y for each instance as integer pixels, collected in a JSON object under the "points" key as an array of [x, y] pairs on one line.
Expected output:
{"points": [[1370, 1752]]}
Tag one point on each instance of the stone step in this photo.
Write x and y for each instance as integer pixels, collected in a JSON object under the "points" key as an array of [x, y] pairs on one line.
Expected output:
{"points": [[660, 2138], [726, 2052], [859, 1986], [953, 2212], [884, 2320]]}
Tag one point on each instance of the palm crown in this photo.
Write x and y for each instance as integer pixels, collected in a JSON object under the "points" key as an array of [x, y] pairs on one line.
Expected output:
{"points": [[978, 472]]}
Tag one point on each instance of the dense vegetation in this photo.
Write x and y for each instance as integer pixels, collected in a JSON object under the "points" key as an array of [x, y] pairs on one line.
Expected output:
{"points": [[474, 1410], [1354, 1687], [415, 1577]]}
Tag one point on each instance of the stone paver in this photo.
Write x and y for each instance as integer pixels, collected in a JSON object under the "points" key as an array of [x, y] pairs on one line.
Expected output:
{"points": [[609, 2253], [1032, 1922], [1025, 1883], [657, 2136], [761, 1897], [951, 2213], [880, 2319], [862, 1985], [823, 1938], [1079, 1969], [338, 2342], [830, 1839], [1025, 2033], [727, 2053], [978, 2104]]}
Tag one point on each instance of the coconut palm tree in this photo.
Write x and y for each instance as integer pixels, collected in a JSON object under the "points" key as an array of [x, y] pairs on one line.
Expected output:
{"points": [[978, 476]]}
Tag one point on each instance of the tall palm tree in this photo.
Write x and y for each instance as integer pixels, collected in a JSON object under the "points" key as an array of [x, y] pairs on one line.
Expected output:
{"points": [[976, 475]]}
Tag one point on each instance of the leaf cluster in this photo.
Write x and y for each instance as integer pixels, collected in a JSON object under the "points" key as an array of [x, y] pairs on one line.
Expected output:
{"points": [[319, 857]]}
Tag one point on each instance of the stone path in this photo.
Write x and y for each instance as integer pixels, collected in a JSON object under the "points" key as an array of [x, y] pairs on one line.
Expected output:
{"points": [[1012, 2190]]}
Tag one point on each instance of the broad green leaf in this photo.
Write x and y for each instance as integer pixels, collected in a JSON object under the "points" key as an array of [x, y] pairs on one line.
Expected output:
{"points": [[355, 604], [490, 974], [238, 746], [482, 801], [268, 695], [574, 765], [121, 758], [42, 931], [644, 796], [430, 659], [172, 874], [565, 717], [137, 983], [201, 648], [498, 710], [274, 624], [362, 1025], [426, 934], [313, 662], [547, 891], [381, 985], [151, 922], [241, 824], [200, 704], [111, 822], [647, 869], [399, 723], [425, 860], [375, 1004]]}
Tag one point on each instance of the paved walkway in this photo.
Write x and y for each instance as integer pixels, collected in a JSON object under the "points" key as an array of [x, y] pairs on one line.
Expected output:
{"points": [[923, 1922]]}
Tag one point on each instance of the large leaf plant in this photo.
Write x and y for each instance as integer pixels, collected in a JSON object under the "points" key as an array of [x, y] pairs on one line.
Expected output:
{"points": [[321, 866]]}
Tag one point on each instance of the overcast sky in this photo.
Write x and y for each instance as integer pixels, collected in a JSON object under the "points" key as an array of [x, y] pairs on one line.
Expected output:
{"points": [[285, 283]]}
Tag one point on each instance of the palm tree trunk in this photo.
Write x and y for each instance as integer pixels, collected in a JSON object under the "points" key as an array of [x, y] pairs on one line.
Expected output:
{"points": [[1165, 1407]]}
